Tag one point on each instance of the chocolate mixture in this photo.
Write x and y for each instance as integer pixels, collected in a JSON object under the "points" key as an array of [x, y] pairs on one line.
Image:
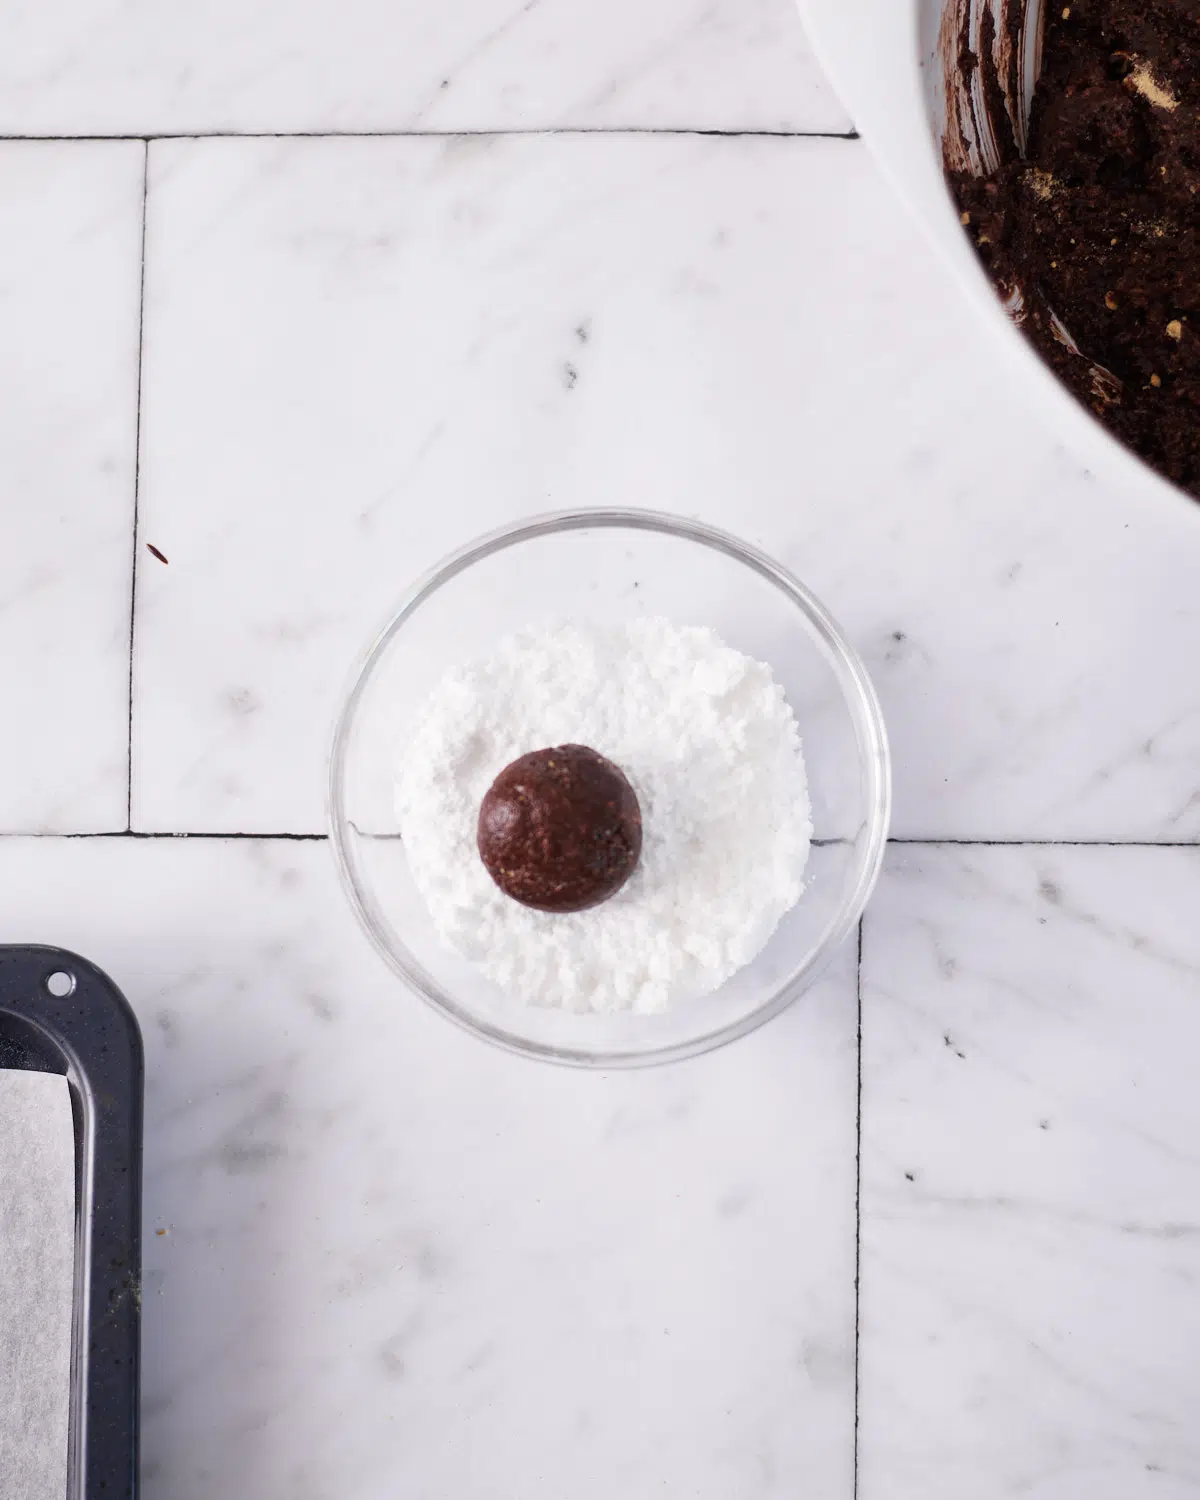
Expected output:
{"points": [[560, 830], [1098, 227]]}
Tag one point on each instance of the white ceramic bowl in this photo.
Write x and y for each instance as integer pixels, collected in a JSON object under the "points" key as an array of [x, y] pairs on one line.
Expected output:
{"points": [[605, 567], [886, 59]]}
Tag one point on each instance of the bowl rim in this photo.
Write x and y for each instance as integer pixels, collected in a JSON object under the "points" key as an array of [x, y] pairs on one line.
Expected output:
{"points": [[856, 686]]}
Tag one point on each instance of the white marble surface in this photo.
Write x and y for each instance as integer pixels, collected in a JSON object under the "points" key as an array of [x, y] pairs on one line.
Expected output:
{"points": [[1031, 1175], [360, 353], [391, 1260], [137, 67], [70, 258], [396, 1261]]}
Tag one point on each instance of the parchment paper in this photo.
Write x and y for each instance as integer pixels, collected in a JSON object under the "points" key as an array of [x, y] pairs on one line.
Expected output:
{"points": [[37, 1252]]}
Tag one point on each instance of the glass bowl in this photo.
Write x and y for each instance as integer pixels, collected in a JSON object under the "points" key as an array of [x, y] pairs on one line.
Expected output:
{"points": [[604, 567]]}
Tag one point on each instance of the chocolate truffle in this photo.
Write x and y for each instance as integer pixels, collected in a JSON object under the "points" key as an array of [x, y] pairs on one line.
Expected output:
{"points": [[560, 830]]}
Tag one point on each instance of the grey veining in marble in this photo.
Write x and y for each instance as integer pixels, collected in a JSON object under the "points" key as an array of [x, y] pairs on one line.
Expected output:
{"points": [[382, 1258], [70, 273], [78, 68], [1031, 1176], [359, 354]]}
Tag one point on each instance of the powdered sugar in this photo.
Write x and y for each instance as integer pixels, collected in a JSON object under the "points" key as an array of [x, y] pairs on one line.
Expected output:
{"points": [[713, 751]]}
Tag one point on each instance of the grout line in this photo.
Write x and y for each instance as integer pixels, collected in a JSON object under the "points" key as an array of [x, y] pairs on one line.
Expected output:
{"points": [[201, 833], [193, 833], [137, 833], [137, 485], [402, 135], [858, 1201], [935, 843]]}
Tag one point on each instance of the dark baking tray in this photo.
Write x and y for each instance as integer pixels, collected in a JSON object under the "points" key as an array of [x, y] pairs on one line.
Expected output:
{"points": [[91, 1036]]}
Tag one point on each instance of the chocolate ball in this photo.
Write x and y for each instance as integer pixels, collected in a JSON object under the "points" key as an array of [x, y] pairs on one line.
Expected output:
{"points": [[560, 830]]}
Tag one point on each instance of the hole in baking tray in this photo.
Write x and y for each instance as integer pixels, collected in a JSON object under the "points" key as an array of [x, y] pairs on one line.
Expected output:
{"points": [[60, 984]]}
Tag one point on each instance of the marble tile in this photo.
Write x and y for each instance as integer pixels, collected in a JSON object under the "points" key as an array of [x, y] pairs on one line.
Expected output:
{"points": [[1030, 1242], [384, 1259], [366, 65], [361, 353], [70, 273]]}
